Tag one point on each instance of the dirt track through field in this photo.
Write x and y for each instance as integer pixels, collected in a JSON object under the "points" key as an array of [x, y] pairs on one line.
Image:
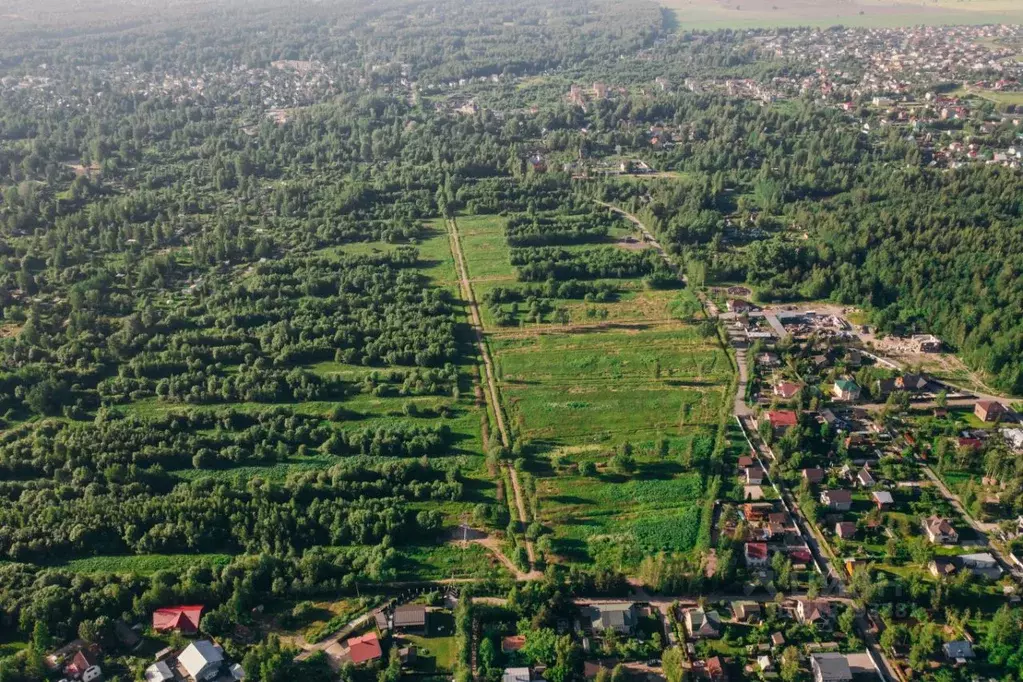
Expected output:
{"points": [[488, 370]]}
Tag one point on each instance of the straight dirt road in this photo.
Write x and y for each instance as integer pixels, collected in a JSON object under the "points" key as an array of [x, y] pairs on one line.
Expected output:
{"points": [[476, 321]]}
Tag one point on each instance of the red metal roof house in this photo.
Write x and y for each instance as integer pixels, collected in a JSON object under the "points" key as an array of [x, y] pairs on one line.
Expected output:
{"points": [[365, 648], [184, 619]]}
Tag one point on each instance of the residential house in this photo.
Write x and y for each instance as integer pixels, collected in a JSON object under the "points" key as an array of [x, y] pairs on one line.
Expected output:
{"points": [[82, 661], [408, 654], [988, 410], [813, 611], [927, 343], [865, 479], [716, 670], [754, 475], [982, 565], [410, 618], [845, 530], [846, 389], [853, 358], [830, 667], [940, 531], [381, 621], [1014, 437], [702, 624], [837, 500], [756, 554], [942, 567], [364, 649], [813, 475], [768, 359], [829, 418], [202, 660], [618, 617], [746, 461], [910, 383], [782, 420], [959, 651], [747, 612], [800, 555], [787, 390], [184, 619], [159, 672], [967, 443], [516, 675], [883, 499]]}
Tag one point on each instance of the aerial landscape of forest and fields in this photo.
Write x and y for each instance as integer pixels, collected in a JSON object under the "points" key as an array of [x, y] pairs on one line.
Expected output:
{"points": [[511, 340]]}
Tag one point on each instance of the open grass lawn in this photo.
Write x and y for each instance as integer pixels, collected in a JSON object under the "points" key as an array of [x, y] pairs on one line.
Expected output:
{"points": [[718, 14], [437, 650], [316, 620], [448, 561], [636, 304]]}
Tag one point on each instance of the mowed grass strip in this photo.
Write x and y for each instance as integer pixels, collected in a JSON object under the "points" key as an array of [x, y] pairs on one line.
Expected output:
{"points": [[485, 248]]}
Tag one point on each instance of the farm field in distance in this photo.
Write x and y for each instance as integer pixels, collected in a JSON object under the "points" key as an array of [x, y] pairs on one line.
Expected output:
{"points": [[721, 14]]}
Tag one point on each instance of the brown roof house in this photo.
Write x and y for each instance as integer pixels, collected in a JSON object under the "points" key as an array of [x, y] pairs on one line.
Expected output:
{"points": [[845, 529], [837, 500], [988, 410], [939, 531], [747, 611], [813, 475], [813, 611]]}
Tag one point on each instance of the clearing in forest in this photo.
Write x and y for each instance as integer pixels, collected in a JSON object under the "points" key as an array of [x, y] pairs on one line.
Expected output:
{"points": [[616, 402]]}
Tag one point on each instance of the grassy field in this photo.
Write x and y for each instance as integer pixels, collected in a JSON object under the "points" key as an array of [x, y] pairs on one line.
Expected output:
{"points": [[605, 387], [485, 249], [719, 14], [614, 520], [574, 393], [449, 561], [437, 650]]}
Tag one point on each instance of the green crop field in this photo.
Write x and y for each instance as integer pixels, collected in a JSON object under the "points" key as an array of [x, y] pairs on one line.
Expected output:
{"points": [[736, 14]]}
